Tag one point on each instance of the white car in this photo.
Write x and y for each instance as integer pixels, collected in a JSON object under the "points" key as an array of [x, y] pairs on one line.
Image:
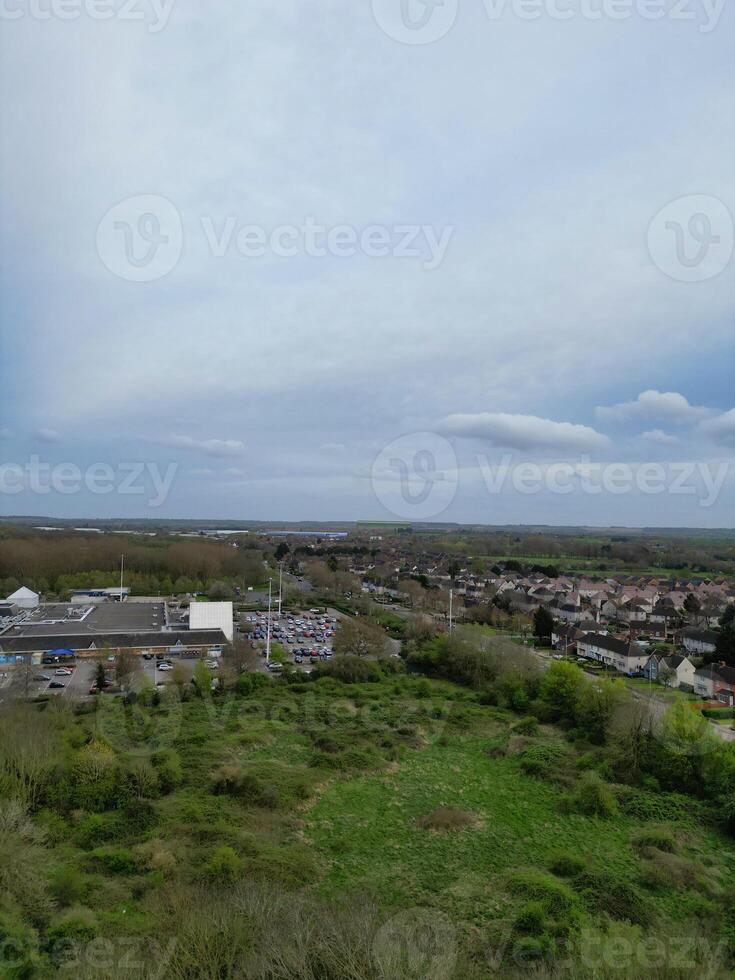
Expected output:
{"points": [[63, 672], [165, 667], [274, 665], [212, 664]]}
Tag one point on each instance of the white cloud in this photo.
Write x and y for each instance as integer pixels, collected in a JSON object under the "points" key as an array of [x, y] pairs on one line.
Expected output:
{"points": [[218, 448], [47, 435], [524, 432], [721, 429], [666, 406], [661, 438]]}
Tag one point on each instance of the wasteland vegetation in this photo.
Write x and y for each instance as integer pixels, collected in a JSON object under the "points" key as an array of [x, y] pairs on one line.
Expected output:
{"points": [[460, 814]]}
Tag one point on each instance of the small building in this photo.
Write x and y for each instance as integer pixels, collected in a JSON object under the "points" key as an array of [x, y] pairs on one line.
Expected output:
{"points": [[716, 681], [24, 598], [683, 671], [697, 642], [627, 657]]}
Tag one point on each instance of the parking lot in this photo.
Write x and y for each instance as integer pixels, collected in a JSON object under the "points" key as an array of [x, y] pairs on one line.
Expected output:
{"points": [[40, 680], [306, 636]]}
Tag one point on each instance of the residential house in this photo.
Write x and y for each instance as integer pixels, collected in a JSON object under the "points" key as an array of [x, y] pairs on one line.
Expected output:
{"points": [[716, 682], [627, 657], [683, 670], [697, 642]]}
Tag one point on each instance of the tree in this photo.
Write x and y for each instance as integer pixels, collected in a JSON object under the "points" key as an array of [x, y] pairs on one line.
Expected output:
{"points": [[361, 638], [100, 677], [725, 645], [282, 550], [692, 605], [125, 666], [202, 679], [560, 689], [543, 624], [220, 590]]}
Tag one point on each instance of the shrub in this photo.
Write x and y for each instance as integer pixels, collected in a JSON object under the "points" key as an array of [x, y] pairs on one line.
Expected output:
{"points": [[531, 919], [567, 865], [556, 896], [605, 893], [114, 860], [593, 797], [665, 870], [446, 818], [542, 760], [659, 837], [68, 886], [76, 927], [250, 788], [527, 726], [168, 766], [248, 684], [225, 865]]}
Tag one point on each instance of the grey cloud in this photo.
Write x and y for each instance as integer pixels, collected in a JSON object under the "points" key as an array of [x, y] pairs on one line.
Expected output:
{"points": [[664, 406], [525, 432]]}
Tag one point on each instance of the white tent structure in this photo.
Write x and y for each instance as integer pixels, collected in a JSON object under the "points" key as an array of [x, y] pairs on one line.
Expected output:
{"points": [[211, 616], [24, 598]]}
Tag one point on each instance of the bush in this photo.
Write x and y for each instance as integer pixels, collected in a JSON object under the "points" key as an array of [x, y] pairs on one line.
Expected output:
{"points": [[531, 919], [225, 865], [527, 726], [248, 684], [567, 865], [250, 788], [446, 818], [606, 894], [68, 886], [114, 860], [168, 765], [557, 897], [593, 797], [542, 760], [659, 837], [77, 927]]}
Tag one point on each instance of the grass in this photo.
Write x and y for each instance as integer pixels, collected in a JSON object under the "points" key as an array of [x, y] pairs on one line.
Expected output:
{"points": [[659, 691], [366, 829], [400, 794]]}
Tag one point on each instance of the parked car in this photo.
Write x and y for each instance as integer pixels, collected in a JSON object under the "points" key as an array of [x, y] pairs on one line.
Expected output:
{"points": [[41, 677], [212, 664], [56, 685], [165, 666], [63, 672], [274, 665]]}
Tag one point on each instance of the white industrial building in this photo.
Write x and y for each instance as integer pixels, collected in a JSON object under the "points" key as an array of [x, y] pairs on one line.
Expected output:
{"points": [[212, 616]]}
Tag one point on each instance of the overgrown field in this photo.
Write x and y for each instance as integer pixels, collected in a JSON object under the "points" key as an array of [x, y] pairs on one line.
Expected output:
{"points": [[399, 827]]}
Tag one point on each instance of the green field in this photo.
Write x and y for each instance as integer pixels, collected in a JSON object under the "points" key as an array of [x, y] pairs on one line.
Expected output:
{"points": [[293, 822]]}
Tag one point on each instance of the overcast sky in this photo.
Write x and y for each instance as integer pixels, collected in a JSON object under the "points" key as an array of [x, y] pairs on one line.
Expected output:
{"points": [[316, 261]]}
